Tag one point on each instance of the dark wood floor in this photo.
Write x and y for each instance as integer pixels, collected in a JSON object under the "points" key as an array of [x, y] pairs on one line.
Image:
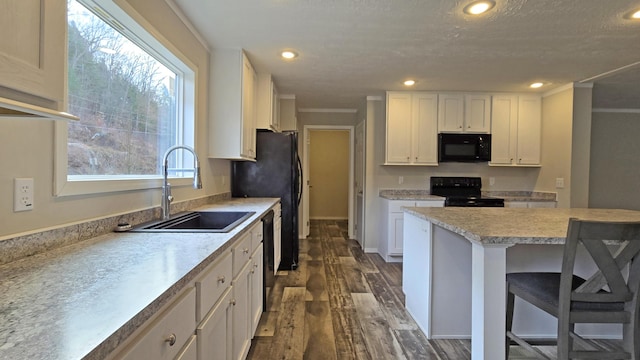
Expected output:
{"points": [[343, 304]]}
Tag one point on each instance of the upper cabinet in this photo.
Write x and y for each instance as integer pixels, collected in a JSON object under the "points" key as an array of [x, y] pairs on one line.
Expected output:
{"points": [[268, 116], [464, 113], [412, 128], [32, 58], [232, 99], [287, 111], [516, 126]]}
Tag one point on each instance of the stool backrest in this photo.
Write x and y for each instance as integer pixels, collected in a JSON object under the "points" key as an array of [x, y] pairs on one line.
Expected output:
{"points": [[595, 236]]}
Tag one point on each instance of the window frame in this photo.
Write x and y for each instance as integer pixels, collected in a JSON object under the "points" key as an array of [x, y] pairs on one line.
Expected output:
{"points": [[134, 26]]}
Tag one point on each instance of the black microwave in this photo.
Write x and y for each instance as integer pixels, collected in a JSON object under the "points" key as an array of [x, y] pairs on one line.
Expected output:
{"points": [[464, 147]]}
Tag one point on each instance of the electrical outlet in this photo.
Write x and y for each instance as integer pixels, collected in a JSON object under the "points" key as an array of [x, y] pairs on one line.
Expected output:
{"points": [[559, 183], [400, 179], [22, 194], [492, 181]]}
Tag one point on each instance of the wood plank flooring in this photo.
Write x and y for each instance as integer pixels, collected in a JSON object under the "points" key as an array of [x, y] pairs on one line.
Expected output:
{"points": [[344, 304]]}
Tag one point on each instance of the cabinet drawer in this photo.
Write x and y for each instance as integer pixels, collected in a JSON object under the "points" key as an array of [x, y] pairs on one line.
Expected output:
{"points": [[177, 322], [396, 206], [214, 282], [241, 253], [256, 235]]}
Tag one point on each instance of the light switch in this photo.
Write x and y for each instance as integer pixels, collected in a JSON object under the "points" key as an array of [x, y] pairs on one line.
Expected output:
{"points": [[559, 183]]}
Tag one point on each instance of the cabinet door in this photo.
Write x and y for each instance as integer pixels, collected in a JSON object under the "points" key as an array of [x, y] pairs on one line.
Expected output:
{"points": [[529, 130], [241, 314], [504, 120], [32, 47], [450, 112], [256, 287], [275, 108], [249, 86], [395, 242], [214, 333], [398, 128], [477, 113], [424, 128]]}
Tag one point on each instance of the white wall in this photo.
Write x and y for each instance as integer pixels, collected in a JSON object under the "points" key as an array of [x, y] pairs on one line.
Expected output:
{"points": [[615, 160], [26, 148]]}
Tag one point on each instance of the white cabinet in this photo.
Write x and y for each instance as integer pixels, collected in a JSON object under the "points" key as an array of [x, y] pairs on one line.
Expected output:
{"points": [[288, 114], [391, 250], [232, 133], [32, 56], [268, 104], [464, 113], [257, 287], [411, 137], [215, 331], [516, 130], [168, 334], [241, 323]]}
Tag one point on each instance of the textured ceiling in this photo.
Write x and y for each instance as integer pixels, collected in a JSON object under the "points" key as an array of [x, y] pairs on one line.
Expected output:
{"points": [[350, 49]]}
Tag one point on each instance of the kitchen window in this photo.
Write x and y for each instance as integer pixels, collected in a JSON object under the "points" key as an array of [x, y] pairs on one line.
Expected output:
{"points": [[134, 97]]}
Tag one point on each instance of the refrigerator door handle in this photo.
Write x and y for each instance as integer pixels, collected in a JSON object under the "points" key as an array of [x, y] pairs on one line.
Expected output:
{"points": [[300, 183]]}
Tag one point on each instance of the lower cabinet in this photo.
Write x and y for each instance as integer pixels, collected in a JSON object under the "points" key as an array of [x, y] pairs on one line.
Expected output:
{"points": [[241, 318], [391, 250], [215, 317], [215, 331], [166, 336]]}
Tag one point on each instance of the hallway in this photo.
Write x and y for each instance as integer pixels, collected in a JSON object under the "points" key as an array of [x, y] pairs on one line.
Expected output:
{"points": [[343, 304]]}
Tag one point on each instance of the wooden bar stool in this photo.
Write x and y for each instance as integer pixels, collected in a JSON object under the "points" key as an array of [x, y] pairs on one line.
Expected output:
{"points": [[609, 296]]}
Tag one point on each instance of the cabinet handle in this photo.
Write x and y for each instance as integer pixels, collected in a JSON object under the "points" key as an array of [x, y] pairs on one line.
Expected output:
{"points": [[171, 339], [245, 250], [253, 271], [255, 266], [233, 302], [221, 279], [460, 127], [468, 126]]}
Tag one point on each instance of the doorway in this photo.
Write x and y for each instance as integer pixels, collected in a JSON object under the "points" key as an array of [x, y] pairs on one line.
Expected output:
{"points": [[328, 161]]}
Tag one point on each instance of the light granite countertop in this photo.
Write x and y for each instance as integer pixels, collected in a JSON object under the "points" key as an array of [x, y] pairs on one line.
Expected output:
{"points": [[423, 194], [400, 194], [81, 301], [515, 225]]}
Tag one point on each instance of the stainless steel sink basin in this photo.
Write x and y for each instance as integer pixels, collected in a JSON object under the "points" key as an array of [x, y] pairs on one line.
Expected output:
{"points": [[198, 221]]}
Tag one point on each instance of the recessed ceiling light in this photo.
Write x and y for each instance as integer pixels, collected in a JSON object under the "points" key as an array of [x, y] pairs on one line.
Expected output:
{"points": [[410, 82], [478, 7], [289, 54], [536, 85], [633, 15]]}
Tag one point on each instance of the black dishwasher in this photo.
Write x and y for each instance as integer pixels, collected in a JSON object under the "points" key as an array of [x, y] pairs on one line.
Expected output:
{"points": [[268, 259]]}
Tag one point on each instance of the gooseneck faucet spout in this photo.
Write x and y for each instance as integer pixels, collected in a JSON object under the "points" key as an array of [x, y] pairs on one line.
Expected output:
{"points": [[167, 198]]}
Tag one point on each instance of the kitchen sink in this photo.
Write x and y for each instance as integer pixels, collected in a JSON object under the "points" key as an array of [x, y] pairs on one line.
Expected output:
{"points": [[198, 221]]}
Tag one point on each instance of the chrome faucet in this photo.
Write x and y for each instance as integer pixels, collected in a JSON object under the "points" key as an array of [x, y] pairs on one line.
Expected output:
{"points": [[167, 198]]}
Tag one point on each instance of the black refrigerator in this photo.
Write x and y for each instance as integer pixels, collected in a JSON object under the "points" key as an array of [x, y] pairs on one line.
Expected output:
{"points": [[277, 172]]}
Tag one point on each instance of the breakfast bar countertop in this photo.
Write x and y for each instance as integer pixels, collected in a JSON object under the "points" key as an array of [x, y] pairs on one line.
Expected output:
{"points": [[515, 225], [82, 301]]}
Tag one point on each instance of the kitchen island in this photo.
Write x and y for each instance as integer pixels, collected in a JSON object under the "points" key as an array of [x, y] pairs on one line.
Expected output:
{"points": [[455, 262]]}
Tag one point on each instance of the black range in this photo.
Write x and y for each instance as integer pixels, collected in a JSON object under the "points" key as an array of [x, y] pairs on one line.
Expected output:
{"points": [[462, 191]]}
